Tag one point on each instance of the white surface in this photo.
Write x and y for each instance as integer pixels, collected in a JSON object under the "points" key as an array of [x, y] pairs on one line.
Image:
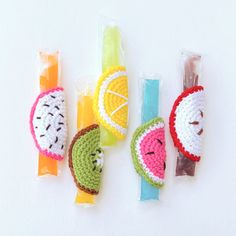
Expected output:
{"points": [[154, 33]]}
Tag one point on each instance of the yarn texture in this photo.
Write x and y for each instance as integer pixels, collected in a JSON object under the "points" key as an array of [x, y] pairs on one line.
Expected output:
{"points": [[48, 123], [148, 151], [111, 101], [186, 122], [86, 159]]}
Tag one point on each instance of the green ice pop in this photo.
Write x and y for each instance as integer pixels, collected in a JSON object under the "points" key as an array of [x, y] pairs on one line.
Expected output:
{"points": [[111, 56]]}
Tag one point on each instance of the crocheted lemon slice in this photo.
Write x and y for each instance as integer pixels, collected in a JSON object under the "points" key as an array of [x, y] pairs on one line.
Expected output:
{"points": [[86, 159], [111, 101], [148, 151]]}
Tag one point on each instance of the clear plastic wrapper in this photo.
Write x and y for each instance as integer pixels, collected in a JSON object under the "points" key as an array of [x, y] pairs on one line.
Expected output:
{"points": [[49, 78], [191, 72], [85, 154], [112, 97], [148, 142], [48, 115]]}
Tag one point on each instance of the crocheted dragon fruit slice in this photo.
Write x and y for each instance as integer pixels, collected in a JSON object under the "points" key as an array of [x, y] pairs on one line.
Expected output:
{"points": [[86, 159], [48, 123], [186, 122], [148, 151]]}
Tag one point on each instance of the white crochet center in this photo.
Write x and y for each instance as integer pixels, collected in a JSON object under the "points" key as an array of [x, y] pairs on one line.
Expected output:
{"points": [[189, 110], [49, 123]]}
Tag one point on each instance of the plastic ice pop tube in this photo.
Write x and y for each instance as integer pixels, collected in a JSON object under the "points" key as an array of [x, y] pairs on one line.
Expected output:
{"points": [[187, 115], [48, 116], [85, 154], [148, 143], [111, 93]]}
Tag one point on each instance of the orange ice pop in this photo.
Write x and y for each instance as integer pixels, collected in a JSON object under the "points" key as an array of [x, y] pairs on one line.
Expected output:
{"points": [[48, 80], [85, 118]]}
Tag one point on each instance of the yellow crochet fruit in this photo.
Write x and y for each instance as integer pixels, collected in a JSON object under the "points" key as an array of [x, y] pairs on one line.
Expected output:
{"points": [[111, 101]]}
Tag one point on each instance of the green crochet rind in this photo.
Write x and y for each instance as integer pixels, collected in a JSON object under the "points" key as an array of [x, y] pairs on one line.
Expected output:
{"points": [[139, 132], [86, 159]]}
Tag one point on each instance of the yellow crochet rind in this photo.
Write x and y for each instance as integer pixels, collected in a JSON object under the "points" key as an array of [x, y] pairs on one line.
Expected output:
{"points": [[115, 101]]}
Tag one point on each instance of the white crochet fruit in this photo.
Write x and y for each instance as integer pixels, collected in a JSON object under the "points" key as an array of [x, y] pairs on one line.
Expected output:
{"points": [[186, 122], [48, 123]]}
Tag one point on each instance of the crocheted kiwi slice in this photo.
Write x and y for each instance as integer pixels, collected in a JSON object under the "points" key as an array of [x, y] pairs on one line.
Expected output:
{"points": [[148, 151], [86, 159]]}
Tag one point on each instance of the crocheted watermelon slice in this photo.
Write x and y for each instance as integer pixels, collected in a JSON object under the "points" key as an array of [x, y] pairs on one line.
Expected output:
{"points": [[148, 151], [48, 123], [86, 159], [186, 122]]}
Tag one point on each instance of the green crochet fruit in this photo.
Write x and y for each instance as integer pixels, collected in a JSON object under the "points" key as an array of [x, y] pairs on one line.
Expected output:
{"points": [[86, 159]]}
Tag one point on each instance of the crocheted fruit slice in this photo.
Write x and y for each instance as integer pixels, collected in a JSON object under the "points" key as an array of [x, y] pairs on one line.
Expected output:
{"points": [[148, 151], [86, 159], [111, 101], [48, 123], [186, 122]]}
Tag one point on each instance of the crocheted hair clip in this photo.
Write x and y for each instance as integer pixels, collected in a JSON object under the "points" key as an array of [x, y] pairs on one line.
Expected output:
{"points": [[85, 153], [148, 143], [186, 117], [48, 117], [111, 93]]}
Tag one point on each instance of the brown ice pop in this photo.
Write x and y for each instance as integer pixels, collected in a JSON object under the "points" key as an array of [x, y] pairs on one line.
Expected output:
{"points": [[191, 74]]}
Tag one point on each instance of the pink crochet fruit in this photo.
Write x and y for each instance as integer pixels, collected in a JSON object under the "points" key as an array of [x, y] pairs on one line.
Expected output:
{"points": [[48, 123], [148, 151]]}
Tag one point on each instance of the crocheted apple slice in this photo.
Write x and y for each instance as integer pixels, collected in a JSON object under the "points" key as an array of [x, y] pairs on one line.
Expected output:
{"points": [[111, 101], [186, 122], [86, 159], [148, 151], [48, 123]]}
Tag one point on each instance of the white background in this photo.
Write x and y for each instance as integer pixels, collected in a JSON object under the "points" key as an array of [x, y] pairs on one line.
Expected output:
{"points": [[154, 33]]}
